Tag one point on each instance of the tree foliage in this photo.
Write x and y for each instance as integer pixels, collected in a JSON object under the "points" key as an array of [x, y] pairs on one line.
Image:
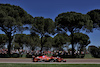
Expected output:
{"points": [[3, 39], [27, 40], [20, 39], [60, 40], [95, 51], [48, 42], [72, 21], [35, 40], [81, 39], [95, 17]]}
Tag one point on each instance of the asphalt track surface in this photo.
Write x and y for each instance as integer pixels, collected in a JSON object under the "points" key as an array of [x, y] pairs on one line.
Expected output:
{"points": [[68, 61]]}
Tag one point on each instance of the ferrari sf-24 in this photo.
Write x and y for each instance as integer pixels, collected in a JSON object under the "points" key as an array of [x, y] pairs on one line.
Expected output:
{"points": [[45, 58]]}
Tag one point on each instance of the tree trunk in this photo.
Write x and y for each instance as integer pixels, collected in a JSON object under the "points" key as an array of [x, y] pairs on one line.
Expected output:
{"points": [[41, 44], [72, 34], [9, 45]]}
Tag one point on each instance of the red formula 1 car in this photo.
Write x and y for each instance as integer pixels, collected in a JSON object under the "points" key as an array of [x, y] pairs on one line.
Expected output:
{"points": [[45, 58]]}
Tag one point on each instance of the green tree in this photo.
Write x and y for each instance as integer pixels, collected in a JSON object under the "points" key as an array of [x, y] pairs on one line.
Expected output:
{"points": [[35, 41], [95, 51], [11, 18], [81, 40], [28, 40], [20, 39], [3, 40], [43, 27], [73, 22], [60, 40], [16, 46], [95, 17], [47, 41]]}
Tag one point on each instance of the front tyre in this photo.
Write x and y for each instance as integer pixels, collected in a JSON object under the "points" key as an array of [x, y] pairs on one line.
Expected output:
{"points": [[59, 60]]}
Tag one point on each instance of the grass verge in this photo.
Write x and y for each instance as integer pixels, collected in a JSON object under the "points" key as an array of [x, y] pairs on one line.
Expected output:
{"points": [[48, 65], [88, 56]]}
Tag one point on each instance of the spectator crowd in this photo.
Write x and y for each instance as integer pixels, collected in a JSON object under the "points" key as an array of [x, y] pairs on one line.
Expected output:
{"points": [[29, 53]]}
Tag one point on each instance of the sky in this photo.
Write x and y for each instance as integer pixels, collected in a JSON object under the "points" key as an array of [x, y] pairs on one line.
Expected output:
{"points": [[51, 8]]}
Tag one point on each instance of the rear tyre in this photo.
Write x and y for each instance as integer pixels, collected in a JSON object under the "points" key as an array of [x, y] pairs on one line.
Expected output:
{"points": [[52, 61], [35, 60]]}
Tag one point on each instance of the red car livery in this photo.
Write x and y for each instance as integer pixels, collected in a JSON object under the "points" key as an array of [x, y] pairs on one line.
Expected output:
{"points": [[45, 58]]}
